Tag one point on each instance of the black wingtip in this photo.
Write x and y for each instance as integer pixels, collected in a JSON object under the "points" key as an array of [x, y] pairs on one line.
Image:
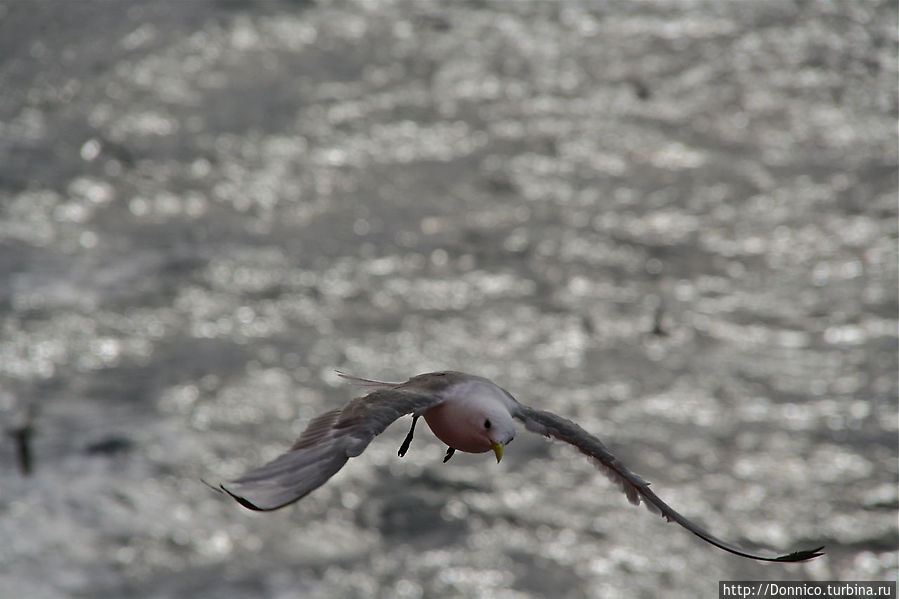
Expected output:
{"points": [[211, 486], [221, 490], [243, 501], [801, 556]]}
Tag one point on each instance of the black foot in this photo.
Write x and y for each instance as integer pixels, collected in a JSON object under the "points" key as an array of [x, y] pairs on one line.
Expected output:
{"points": [[449, 453], [408, 440]]}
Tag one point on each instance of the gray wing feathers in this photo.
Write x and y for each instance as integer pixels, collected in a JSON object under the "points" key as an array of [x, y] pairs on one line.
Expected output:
{"points": [[286, 479], [636, 489], [317, 430], [323, 448], [550, 425]]}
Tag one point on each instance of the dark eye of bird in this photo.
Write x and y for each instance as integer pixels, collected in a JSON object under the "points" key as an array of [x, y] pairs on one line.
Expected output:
{"points": [[487, 424]]}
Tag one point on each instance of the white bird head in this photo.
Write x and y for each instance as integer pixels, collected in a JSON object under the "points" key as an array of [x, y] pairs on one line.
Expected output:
{"points": [[496, 425], [485, 409]]}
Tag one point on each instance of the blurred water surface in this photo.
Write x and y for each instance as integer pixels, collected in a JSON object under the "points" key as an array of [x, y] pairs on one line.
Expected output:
{"points": [[673, 222]]}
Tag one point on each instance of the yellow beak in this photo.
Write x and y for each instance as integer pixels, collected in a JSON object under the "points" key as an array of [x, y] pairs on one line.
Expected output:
{"points": [[498, 450]]}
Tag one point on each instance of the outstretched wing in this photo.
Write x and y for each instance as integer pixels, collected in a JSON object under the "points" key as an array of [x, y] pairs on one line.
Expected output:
{"points": [[636, 489], [324, 447]]}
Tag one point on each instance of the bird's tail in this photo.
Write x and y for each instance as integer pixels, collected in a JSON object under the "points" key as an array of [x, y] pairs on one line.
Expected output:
{"points": [[367, 383]]}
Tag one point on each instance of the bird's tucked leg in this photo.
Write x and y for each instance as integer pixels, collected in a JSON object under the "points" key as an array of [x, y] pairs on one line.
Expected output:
{"points": [[408, 440], [449, 453]]}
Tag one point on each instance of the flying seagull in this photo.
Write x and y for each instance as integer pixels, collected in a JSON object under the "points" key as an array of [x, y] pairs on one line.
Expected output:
{"points": [[469, 413]]}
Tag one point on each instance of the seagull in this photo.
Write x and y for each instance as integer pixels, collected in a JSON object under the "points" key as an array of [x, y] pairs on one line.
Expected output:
{"points": [[469, 413]]}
